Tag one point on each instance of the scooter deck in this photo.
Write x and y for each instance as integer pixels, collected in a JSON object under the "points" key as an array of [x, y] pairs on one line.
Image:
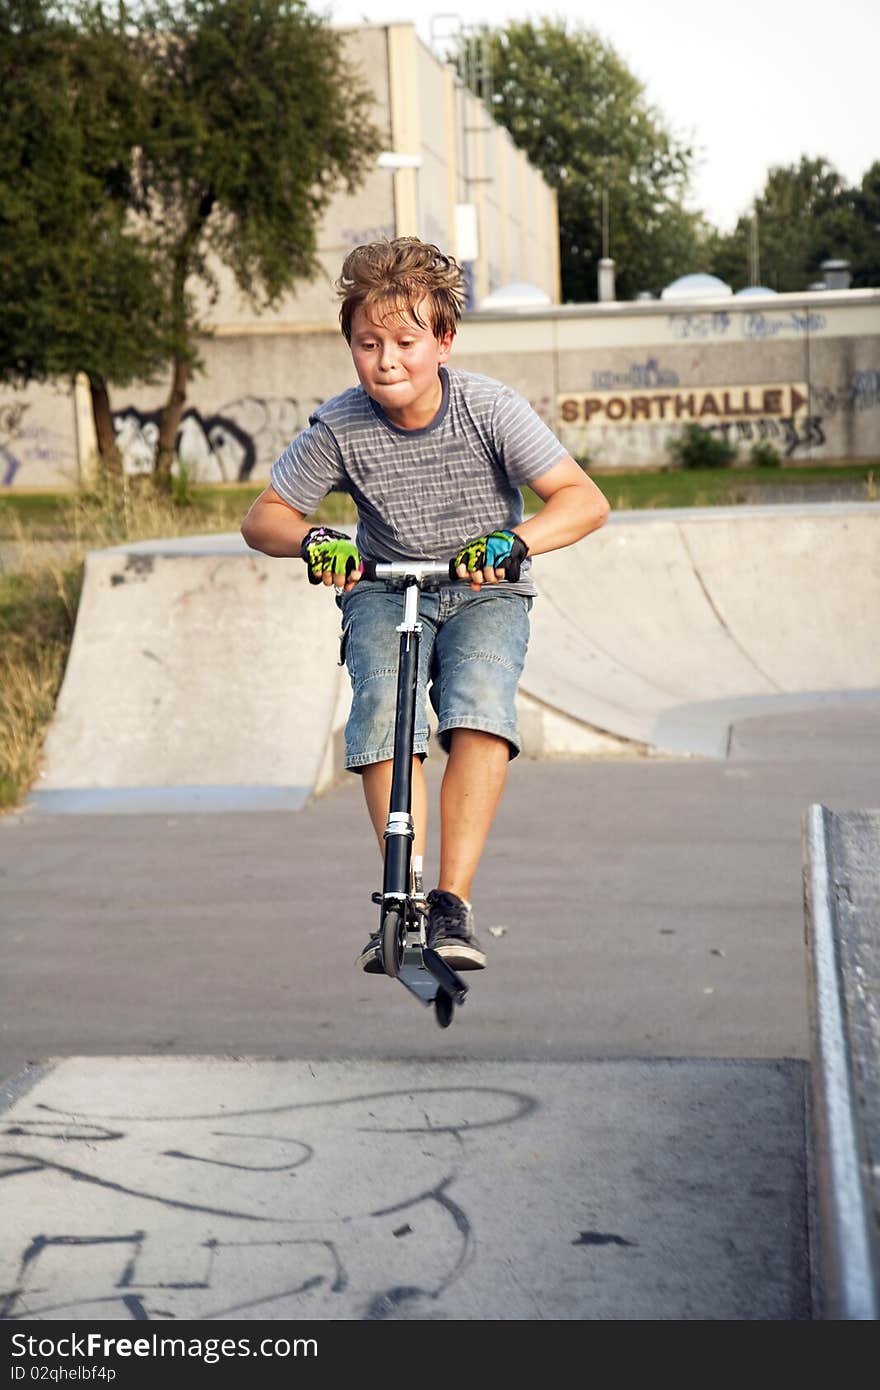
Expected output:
{"points": [[424, 973]]}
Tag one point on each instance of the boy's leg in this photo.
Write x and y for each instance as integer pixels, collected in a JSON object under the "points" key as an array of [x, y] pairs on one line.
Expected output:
{"points": [[469, 797], [478, 660], [377, 790]]}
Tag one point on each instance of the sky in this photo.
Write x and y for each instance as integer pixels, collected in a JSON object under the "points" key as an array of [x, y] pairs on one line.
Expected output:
{"points": [[748, 87]]}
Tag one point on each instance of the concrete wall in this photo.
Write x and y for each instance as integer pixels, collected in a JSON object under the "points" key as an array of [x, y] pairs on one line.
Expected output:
{"points": [[801, 372]]}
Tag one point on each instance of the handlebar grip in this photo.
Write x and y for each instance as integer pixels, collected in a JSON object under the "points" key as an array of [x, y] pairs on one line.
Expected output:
{"points": [[369, 569]]}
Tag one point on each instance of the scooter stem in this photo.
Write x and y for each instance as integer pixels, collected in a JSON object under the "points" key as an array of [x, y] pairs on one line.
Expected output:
{"points": [[400, 830]]}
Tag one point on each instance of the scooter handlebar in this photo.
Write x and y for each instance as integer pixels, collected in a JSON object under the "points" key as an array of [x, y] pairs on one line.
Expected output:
{"points": [[410, 569]]}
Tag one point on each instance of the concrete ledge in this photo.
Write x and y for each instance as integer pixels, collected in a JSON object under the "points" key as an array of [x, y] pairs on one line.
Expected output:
{"points": [[842, 913], [142, 801], [707, 728]]}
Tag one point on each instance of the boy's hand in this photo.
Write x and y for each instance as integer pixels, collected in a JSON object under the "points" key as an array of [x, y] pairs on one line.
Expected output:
{"points": [[487, 559], [332, 558]]}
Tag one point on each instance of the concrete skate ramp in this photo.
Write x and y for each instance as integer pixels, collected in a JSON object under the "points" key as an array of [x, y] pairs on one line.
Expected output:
{"points": [[667, 627], [202, 676]]}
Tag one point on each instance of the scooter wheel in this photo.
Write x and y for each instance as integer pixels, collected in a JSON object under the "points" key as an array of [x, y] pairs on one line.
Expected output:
{"points": [[393, 942], [444, 1008]]}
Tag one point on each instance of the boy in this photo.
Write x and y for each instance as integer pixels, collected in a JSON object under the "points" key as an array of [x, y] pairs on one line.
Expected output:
{"points": [[434, 459]]}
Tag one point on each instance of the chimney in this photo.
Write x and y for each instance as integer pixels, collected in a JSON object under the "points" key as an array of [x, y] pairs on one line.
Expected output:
{"points": [[836, 274], [606, 280]]}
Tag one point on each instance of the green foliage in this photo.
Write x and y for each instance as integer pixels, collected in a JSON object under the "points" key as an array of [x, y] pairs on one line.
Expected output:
{"points": [[764, 455], [76, 284], [806, 215], [581, 116], [696, 447], [140, 152], [256, 120]]}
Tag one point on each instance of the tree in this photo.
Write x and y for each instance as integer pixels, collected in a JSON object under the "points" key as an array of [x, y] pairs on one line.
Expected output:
{"points": [[255, 120], [77, 285], [581, 116], [805, 215], [851, 230]]}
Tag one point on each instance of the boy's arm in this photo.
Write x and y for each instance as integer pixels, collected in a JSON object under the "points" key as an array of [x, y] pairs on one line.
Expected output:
{"points": [[278, 529], [274, 526], [573, 507]]}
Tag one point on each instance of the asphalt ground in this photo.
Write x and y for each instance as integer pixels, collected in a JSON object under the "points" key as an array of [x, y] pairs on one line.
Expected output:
{"points": [[645, 908], [642, 1026]]}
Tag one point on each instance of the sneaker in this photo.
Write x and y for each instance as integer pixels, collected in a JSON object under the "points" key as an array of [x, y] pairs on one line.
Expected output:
{"points": [[451, 933], [370, 958]]}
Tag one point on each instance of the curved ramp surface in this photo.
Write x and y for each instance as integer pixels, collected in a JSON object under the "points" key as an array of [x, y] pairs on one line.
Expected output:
{"points": [[202, 676], [667, 627]]}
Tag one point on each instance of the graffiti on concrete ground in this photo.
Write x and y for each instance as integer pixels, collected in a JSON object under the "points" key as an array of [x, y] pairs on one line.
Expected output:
{"points": [[240, 441], [639, 376], [213, 1214]]}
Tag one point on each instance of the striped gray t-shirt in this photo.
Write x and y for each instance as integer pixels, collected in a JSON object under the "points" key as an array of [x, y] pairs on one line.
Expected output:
{"points": [[421, 494]]}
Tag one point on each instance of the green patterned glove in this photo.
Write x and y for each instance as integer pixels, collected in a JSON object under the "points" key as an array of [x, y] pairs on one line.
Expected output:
{"points": [[500, 550], [326, 551]]}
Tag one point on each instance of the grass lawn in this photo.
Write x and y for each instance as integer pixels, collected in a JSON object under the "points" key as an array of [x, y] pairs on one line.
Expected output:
{"points": [[50, 516], [726, 487]]}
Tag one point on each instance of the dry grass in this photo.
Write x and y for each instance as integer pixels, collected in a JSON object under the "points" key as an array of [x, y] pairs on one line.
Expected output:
{"points": [[40, 584], [28, 690]]}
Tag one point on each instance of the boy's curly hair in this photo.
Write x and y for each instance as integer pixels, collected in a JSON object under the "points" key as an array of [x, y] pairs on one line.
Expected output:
{"points": [[397, 275]]}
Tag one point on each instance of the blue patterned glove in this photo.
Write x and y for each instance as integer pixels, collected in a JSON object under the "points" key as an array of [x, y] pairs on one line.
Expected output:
{"points": [[499, 550]]}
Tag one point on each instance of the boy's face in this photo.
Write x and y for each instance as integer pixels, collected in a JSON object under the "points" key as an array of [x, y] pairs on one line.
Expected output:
{"points": [[398, 363]]}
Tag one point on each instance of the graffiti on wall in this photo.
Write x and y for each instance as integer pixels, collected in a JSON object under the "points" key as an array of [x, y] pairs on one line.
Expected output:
{"points": [[759, 327], [31, 448], [698, 326], [240, 441], [789, 434], [860, 393], [756, 327], [361, 236], [11, 417], [639, 376]]}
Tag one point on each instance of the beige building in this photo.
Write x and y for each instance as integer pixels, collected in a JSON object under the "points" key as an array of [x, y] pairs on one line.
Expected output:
{"points": [[800, 372], [447, 173]]}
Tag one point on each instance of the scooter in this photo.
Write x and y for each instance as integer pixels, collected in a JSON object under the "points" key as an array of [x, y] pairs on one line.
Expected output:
{"points": [[405, 953]]}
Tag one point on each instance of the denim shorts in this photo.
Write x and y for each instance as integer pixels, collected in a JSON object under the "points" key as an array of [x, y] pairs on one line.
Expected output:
{"points": [[473, 646]]}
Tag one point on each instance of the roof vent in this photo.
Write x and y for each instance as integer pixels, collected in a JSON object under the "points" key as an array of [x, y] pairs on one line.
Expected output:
{"points": [[697, 287]]}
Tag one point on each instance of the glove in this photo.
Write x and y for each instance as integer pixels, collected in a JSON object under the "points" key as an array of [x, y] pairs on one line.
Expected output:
{"points": [[500, 550], [329, 552]]}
